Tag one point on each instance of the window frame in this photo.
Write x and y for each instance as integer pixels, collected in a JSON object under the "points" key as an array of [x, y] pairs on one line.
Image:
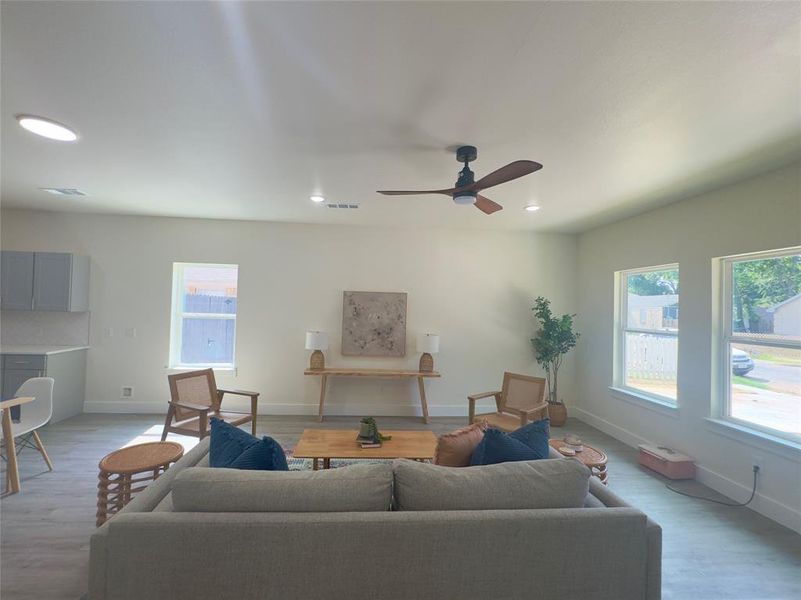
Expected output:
{"points": [[177, 316], [622, 328], [729, 337]]}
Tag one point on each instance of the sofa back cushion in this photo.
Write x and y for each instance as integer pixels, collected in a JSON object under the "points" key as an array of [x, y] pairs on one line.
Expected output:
{"points": [[363, 488], [549, 483]]}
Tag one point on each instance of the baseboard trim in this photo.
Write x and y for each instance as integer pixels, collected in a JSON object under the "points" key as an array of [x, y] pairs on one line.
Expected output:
{"points": [[619, 433], [355, 410], [764, 505]]}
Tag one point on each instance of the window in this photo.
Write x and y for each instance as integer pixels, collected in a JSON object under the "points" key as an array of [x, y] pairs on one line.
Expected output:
{"points": [[203, 327], [761, 349], [648, 328]]}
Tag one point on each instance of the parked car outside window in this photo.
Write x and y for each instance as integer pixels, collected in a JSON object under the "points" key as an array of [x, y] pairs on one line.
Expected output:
{"points": [[741, 362]]}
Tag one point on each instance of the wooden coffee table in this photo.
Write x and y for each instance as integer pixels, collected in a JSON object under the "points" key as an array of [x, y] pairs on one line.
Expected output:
{"points": [[326, 444], [592, 458]]}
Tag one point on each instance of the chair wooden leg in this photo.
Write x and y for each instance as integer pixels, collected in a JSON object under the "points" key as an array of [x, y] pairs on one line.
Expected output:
{"points": [[11, 454], [167, 421], [203, 425], [253, 411], [40, 446]]}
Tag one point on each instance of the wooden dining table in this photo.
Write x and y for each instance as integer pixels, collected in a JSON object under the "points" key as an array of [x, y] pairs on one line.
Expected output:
{"points": [[12, 477]]}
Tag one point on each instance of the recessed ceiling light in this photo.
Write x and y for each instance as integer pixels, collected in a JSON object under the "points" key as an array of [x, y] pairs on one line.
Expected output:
{"points": [[63, 191], [317, 199], [532, 208], [47, 128]]}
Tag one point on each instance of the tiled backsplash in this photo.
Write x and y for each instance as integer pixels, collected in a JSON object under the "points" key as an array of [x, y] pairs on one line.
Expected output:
{"points": [[41, 328]]}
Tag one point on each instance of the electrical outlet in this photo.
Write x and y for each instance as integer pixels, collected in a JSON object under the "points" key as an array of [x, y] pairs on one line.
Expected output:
{"points": [[127, 391], [758, 462], [130, 332]]}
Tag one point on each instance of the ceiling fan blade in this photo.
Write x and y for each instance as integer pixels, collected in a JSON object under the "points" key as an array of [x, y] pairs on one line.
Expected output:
{"points": [[513, 170], [415, 192], [486, 205]]}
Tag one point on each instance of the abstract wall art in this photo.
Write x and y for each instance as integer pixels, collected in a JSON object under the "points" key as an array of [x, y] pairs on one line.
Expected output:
{"points": [[374, 324]]}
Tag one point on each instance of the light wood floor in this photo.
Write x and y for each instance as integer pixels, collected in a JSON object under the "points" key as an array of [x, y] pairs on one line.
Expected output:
{"points": [[710, 552]]}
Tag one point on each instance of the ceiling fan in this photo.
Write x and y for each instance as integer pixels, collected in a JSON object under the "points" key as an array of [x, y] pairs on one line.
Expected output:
{"points": [[466, 190]]}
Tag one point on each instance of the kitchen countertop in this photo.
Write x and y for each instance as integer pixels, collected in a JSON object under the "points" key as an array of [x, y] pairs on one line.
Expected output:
{"points": [[39, 350]]}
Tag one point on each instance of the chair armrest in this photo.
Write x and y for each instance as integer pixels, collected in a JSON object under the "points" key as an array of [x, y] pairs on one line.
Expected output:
{"points": [[484, 395], [189, 406], [237, 392], [471, 412], [525, 415], [534, 410]]}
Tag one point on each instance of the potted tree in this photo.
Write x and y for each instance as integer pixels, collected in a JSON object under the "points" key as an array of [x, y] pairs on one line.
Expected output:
{"points": [[553, 340]]}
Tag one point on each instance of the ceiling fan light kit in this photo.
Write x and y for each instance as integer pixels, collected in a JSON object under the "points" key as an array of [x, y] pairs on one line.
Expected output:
{"points": [[466, 190], [465, 198]]}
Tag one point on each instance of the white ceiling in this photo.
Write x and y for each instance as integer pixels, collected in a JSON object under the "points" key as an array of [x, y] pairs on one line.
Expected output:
{"points": [[242, 111]]}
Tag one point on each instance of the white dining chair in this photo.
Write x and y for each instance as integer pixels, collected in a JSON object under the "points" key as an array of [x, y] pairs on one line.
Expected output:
{"points": [[34, 415]]}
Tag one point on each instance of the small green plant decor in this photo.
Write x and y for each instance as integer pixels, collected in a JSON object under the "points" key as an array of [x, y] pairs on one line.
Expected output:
{"points": [[368, 432], [554, 339]]}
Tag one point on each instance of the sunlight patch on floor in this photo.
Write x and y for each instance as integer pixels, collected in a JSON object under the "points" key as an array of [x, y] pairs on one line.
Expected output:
{"points": [[153, 434]]}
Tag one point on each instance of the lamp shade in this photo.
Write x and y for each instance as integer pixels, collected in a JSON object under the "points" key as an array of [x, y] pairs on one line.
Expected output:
{"points": [[316, 340], [428, 342]]}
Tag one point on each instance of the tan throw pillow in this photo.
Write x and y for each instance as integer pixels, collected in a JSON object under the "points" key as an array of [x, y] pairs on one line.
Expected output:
{"points": [[455, 449]]}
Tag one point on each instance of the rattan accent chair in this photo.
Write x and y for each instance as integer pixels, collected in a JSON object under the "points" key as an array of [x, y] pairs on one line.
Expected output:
{"points": [[521, 400], [195, 397]]}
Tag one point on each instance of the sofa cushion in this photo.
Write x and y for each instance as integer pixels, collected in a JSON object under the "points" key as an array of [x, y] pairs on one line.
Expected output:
{"points": [[550, 483], [592, 502], [535, 435], [233, 448], [455, 449], [264, 455], [365, 487], [499, 447]]}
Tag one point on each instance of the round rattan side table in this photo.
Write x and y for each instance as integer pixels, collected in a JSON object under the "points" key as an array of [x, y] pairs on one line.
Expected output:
{"points": [[595, 460], [129, 470]]}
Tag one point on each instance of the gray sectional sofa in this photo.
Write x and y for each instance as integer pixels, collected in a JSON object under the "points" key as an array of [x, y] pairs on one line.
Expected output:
{"points": [[199, 533]]}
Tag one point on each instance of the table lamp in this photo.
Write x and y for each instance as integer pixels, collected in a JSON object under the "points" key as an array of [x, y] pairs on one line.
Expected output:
{"points": [[317, 341], [428, 344]]}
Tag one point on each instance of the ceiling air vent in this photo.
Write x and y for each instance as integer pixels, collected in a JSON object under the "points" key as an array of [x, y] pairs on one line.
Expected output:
{"points": [[63, 191], [332, 205]]}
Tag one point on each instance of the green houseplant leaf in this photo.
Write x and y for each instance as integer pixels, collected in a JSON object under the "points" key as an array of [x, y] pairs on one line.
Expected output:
{"points": [[553, 340]]}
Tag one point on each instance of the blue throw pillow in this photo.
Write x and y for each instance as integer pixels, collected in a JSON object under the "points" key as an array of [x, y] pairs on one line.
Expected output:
{"points": [[498, 447], [232, 448], [535, 435], [265, 455]]}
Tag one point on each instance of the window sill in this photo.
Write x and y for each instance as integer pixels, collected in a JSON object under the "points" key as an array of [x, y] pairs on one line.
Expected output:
{"points": [[753, 437], [661, 407], [183, 369]]}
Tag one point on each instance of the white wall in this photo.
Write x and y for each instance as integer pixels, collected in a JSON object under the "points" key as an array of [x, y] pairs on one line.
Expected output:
{"points": [[474, 288], [758, 214]]}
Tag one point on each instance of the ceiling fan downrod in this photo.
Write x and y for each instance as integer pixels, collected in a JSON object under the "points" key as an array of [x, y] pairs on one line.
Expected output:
{"points": [[465, 154]]}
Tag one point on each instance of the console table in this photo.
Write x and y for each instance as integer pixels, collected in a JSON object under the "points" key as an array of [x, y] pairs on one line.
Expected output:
{"points": [[324, 374]]}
